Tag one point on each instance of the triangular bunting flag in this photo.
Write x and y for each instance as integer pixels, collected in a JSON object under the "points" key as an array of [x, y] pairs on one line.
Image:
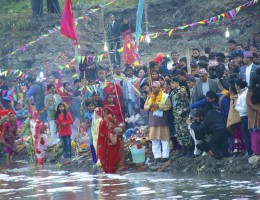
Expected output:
{"points": [[74, 76], [80, 89], [101, 56], [20, 73], [60, 67], [4, 92], [238, 9]]}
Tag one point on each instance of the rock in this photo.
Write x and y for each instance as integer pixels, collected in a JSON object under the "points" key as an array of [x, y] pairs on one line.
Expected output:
{"points": [[254, 159]]}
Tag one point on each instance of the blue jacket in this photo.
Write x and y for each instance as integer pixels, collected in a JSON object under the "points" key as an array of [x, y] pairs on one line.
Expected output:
{"points": [[222, 104], [242, 73]]}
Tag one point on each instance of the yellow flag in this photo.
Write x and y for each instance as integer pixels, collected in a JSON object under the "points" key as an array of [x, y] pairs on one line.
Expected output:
{"points": [[121, 50], [170, 33], [20, 73], [5, 73], [156, 35], [67, 66], [129, 45], [101, 57], [74, 76], [21, 95]]}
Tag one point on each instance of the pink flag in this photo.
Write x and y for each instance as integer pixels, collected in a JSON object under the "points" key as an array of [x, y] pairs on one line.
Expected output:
{"points": [[67, 22]]}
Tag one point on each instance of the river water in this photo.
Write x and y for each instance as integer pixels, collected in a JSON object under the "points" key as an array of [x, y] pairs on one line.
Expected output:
{"points": [[23, 181]]}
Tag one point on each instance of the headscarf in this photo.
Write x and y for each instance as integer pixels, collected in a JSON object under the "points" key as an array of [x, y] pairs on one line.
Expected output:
{"points": [[159, 58]]}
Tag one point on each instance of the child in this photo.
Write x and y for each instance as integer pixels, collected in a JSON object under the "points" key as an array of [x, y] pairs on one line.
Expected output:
{"points": [[63, 120], [89, 117], [21, 114], [132, 121]]}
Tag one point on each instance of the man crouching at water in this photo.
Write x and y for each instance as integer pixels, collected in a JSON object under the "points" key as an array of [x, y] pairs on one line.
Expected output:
{"points": [[157, 103], [216, 129]]}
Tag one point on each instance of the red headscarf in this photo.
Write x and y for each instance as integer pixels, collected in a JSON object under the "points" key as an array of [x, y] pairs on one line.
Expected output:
{"points": [[159, 58]]}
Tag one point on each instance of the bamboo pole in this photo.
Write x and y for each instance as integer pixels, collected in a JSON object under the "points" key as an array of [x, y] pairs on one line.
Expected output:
{"points": [[109, 60], [188, 60]]}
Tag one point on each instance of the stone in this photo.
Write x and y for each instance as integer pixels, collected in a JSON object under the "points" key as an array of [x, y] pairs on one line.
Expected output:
{"points": [[254, 159]]}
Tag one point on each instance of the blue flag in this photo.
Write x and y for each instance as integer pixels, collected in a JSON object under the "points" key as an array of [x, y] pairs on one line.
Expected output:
{"points": [[139, 18]]}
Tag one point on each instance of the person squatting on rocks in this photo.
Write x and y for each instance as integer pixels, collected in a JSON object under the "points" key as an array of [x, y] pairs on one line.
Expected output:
{"points": [[8, 134]]}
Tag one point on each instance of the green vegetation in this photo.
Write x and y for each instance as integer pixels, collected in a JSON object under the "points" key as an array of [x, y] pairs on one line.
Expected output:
{"points": [[16, 15]]}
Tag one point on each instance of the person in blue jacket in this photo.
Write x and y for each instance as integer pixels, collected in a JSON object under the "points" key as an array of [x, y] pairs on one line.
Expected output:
{"points": [[220, 102]]}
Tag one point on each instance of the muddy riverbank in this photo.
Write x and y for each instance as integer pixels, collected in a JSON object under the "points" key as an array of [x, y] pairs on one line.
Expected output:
{"points": [[198, 165]]}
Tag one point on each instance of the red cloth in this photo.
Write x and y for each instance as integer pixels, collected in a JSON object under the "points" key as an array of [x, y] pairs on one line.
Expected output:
{"points": [[113, 89], [129, 47], [64, 130], [116, 110], [66, 96], [67, 27], [107, 154], [4, 114], [159, 58]]}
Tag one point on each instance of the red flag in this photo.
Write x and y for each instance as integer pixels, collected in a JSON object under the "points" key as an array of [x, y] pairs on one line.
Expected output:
{"points": [[67, 22]]}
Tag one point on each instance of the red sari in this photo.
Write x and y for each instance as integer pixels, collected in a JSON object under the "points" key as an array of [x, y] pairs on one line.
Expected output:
{"points": [[129, 47], [116, 110], [107, 154]]}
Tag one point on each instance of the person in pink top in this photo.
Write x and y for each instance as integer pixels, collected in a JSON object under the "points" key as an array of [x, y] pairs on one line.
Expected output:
{"points": [[63, 120]]}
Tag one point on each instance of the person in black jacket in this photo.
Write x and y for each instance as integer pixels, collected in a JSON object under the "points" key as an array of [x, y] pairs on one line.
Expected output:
{"points": [[37, 8], [113, 35], [53, 6], [213, 124], [88, 67]]}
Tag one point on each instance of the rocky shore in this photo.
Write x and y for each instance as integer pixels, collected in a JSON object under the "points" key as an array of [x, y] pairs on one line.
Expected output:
{"points": [[199, 165]]}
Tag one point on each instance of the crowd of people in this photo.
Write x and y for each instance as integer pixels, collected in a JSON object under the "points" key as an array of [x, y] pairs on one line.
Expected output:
{"points": [[214, 110]]}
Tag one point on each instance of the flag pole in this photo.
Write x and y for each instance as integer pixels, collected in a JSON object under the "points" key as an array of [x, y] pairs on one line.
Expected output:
{"points": [[188, 59], [109, 60]]}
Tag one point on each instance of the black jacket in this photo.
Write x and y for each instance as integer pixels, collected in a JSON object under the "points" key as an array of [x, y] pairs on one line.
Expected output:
{"points": [[213, 122], [113, 32]]}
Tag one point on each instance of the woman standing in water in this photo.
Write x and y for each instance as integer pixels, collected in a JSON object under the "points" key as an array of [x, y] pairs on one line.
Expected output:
{"points": [[9, 133], [111, 104], [108, 144]]}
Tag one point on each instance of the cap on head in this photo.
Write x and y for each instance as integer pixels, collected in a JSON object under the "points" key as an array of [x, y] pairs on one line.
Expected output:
{"points": [[190, 78], [248, 54]]}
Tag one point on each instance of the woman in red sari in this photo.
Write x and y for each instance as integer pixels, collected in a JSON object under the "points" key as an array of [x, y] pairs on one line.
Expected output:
{"points": [[128, 42], [108, 144], [113, 105]]}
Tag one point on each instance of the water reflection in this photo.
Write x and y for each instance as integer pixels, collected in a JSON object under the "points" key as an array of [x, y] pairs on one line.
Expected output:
{"points": [[21, 181]]}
